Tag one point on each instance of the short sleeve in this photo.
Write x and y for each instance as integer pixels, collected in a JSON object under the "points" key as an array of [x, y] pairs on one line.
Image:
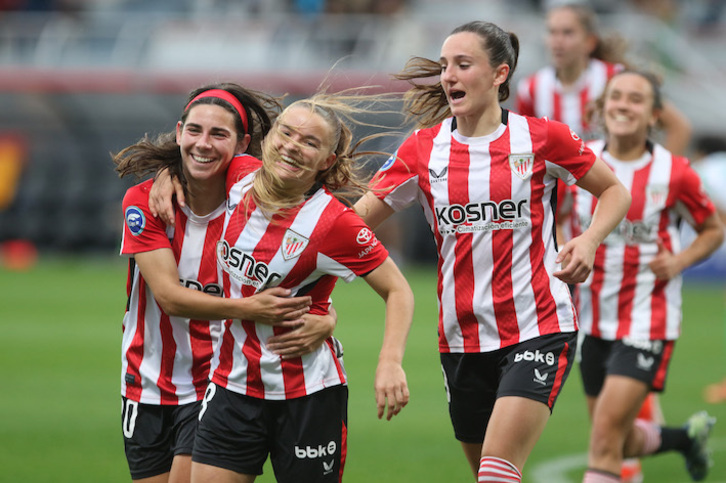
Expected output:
{"points": [[692, 196], [142, 232], [568, 157], [396, 182], [354, 249]]}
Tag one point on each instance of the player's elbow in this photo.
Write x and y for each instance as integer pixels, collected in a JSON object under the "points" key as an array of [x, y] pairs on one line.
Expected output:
{"points": [[170, 304]]}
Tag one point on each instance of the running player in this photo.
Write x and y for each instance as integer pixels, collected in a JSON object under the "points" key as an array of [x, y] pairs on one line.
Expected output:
{"points": [[630, 307], [582, 62], [486, 179], [173, 285]]}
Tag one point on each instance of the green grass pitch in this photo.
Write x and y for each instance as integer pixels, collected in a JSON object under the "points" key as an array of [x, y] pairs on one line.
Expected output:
{"points": [[60, 326]]}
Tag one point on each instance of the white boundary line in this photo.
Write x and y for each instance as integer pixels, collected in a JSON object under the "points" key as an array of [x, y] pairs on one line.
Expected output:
{"points": [[555, 471]]}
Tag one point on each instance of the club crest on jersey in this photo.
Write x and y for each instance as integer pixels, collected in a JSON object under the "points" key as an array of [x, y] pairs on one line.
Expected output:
{"points": [[522, 164], [293, 244], [657, 194], [135, 220]]}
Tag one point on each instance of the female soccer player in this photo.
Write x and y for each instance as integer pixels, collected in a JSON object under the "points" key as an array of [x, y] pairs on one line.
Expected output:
{"points": [[174, 288], [286, 228], [582, 63], [485, 178], [630, 307]]}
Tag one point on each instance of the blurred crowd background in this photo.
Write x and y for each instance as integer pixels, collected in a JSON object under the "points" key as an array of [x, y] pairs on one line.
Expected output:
{"points": [[82, 78]]}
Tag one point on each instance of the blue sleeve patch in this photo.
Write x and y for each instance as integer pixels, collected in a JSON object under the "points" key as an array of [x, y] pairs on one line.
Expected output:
{"points": [[388, 163], [135, 220]]}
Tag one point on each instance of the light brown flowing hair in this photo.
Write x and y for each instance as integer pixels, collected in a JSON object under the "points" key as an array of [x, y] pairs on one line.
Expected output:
{"points": [[347, 177]]}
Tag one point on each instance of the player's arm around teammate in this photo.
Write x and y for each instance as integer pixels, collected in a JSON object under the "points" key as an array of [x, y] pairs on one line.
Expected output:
{"points": [[168, 332]]}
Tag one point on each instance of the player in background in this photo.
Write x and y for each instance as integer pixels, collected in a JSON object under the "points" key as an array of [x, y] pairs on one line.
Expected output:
{"points": [[485, 179], [174, 288], [630, 306], [582, 62]]}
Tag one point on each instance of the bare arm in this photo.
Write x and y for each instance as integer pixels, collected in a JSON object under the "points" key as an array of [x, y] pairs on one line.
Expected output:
{"points": [[272, 306], [578, 255], [667, 265], [390, 386], [372, 210], [306, 338], [162, 194]]}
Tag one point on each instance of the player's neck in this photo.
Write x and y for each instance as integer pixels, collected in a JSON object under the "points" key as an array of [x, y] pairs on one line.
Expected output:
{"points": [[570, 74], [204, 198], [626, 149], [477, 126]]}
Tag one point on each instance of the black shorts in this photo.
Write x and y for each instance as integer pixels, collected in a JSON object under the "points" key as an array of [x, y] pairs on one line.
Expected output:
{"points": [[643, 360], [535, 369], [305, 437], [154, 434]]}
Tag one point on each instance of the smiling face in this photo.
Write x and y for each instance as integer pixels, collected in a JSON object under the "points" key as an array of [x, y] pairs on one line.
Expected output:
{"points": [[208, 141], [299, 147], [568, 42], [628, 107], [471, 84]]}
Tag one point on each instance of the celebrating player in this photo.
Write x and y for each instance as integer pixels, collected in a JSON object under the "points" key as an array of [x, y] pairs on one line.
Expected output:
{"points": [[630, 307], [174, 288], [486, 178], [286, 228]]}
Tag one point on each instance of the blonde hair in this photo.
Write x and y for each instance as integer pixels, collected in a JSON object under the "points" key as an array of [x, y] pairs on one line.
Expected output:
{"points": [[347, 177]]}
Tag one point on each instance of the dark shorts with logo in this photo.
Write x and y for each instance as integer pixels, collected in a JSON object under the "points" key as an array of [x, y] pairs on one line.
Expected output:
{"points": [[305, 437], [154, 434], [535, 369], [644, 360]]}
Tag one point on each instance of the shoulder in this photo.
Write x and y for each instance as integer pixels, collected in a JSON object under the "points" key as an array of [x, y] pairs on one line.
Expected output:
{"points": [[138, 194], [242, 165], [597, 146]]}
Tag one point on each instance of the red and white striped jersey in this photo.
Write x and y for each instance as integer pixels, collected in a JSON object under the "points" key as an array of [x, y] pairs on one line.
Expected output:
{"points": [[490, 204], [166, 359], [622, 298], [306, 251], [542, 95]]}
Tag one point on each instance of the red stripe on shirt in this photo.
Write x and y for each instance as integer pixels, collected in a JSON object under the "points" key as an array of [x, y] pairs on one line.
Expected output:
{"points": [[167, 388], [199, 334], [584, 102], [548, 322], [135, 352], [226, 356], [458, 185], [500, 188], [631, 256]]}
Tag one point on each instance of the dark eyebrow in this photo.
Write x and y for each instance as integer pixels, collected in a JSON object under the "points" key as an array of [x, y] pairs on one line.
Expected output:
{"points": [[458, 57], [214, 129]]}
